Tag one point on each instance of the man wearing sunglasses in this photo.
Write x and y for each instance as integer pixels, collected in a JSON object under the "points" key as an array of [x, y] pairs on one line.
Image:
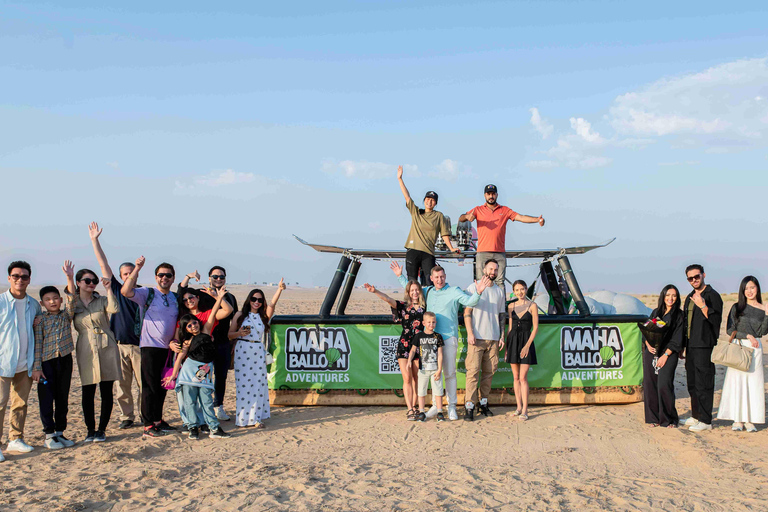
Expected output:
{"points": [[158, 327], [17, 353], [703, 313]]}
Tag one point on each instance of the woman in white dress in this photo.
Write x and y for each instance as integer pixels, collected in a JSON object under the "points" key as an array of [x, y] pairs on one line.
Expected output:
{"points": [[743, 398], [249, 329]]}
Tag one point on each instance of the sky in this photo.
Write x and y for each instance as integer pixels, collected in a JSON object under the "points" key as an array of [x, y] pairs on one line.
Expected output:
{"points": [[205, 134]]}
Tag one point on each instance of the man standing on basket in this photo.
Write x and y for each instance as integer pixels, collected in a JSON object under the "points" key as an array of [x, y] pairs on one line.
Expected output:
{"points": [[485, 337]]}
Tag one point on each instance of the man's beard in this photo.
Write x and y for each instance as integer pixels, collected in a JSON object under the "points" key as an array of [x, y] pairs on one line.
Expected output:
{"points": [[490, 201]]}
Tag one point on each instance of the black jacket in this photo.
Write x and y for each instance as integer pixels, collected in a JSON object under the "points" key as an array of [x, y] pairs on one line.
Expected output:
{"points": [[703, 330], [673, 339]]}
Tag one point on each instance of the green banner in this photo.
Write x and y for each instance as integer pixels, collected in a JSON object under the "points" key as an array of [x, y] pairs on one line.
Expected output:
{"points": [[362, 356]]}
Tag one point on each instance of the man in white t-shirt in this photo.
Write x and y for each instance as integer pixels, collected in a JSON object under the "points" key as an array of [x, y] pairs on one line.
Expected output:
{"points": [[17, 353], [485, 337]]}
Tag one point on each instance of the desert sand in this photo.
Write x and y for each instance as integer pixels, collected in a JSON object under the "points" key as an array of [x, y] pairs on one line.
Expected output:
{"points": [[369, 458]]}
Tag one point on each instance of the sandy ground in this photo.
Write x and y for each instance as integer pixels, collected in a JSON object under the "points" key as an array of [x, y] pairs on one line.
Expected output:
{"points": [[370, 458]]}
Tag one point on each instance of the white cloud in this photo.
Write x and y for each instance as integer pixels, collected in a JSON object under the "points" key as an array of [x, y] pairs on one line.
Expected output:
{"points": [[544, 128], [367, 170], [450, 170], [542, 165], [583, 129], [226, 177], [220, 181]]}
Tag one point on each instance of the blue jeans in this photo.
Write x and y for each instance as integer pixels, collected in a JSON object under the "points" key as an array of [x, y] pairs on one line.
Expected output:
{"points": [[195, 400]]}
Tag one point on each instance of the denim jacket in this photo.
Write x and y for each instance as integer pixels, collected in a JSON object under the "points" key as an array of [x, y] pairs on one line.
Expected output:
{"points": [[9, 334]]}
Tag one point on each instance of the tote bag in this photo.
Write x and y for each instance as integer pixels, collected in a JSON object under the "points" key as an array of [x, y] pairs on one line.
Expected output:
{"points": [[732, 355]]}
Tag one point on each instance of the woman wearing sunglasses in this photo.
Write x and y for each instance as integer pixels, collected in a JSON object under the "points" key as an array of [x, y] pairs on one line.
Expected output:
{"points": [[249, 329], [98, 358]]}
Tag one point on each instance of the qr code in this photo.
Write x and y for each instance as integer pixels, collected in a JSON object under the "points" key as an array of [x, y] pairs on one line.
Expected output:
{"points": [[388, 354]]}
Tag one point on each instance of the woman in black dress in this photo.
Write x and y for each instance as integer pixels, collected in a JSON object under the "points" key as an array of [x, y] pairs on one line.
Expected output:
{"points": [[521, 352], [409, 315], [660, 362]]}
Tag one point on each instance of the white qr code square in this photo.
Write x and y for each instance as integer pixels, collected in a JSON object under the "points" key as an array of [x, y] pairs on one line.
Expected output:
{"points": [[388, 354]]}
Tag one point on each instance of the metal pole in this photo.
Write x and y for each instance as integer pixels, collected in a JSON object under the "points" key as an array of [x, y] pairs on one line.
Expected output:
{"points": [[573, 286], [333, 288], [550, 283], [349, 284]]}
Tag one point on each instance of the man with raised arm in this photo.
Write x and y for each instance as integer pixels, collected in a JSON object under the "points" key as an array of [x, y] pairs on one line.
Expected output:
{"points": [[492, 231], [444, 300], [158, 314], [123, 324], [426, 225]]}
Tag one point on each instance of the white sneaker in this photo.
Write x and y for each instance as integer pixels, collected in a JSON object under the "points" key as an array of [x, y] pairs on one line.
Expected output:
{"points": [[452, 414], [221, 414], [432, 412], [2, 458], [689, 422], [751, 427], [52, 443], [700, 426], [737, 427], [18, 445]]}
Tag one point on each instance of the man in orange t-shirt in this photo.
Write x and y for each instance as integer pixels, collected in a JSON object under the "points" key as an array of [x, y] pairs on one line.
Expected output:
{"points": [[491, 231]]}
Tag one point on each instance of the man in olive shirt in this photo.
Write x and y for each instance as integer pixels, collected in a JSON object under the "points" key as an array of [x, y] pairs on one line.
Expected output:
{"points": [[426, 225]]}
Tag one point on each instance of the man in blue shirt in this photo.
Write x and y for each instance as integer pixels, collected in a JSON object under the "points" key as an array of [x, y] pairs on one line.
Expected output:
{"points": [[444, 300], [17, 353]]}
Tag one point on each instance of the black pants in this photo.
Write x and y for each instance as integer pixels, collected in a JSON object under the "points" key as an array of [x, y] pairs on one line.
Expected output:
{"points": [[89, 396], [54, 396], [415, 260], [152, 390], [700, 372], [659, 390], [221, 362]]}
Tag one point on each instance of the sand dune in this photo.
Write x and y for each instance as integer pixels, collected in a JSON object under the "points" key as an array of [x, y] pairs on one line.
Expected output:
{"points": [[370, 458]]}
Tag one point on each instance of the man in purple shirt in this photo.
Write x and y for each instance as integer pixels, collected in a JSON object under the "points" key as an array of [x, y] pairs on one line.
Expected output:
{"points": [[158, 328]]}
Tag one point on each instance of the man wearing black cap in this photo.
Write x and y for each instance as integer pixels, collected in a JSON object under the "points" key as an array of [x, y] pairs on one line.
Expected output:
{"points": [[426, 225], [491, 231]]}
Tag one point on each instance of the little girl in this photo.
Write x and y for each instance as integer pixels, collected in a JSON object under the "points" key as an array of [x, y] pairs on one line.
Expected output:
{"points": [[194, 375]]}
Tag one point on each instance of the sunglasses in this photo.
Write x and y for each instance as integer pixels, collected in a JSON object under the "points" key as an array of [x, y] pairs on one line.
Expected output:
{"points": [[257, 299], [189, 299], [88, 280], [218, 276], [164, 274], [20, 277], [694, 278]]}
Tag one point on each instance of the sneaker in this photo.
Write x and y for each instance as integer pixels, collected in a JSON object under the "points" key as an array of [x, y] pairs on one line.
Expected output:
{"points": [[219, 433], [737, 427], [221, 414], [99, 437], [469, 414], [63, 440], [484, 410], [751, 427], [185, 427], [152, 431], [452, 414], [53, 443], [165, 427], [689, 422], [2, 457], [125, 424], [421, 417], [204, 428], [432, 412], [700, 426], [194, 433], [18, 445], [89, 437], [440, 416]]}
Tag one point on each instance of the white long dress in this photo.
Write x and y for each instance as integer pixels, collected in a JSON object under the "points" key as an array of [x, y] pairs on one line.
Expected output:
{"points": [[251, 375], [743, 398]]}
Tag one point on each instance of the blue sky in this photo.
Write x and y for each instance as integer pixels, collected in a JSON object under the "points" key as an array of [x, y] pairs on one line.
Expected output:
{"points": [[204, 134]]}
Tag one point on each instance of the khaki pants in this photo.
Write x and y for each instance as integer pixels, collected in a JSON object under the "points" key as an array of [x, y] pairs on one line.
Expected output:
{"points": [[16, 389], [498, 257], [483, 355], [130, 366]]}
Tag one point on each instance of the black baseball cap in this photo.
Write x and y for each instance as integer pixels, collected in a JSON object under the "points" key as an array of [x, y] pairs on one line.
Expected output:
{"points": [[491, 189], [431, 194]]}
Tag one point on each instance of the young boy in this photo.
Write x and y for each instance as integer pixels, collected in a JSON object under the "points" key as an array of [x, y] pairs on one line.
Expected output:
{"points": [[430, 346], [52, 369]]}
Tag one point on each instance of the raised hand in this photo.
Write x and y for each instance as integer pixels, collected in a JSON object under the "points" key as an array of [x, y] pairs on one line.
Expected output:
{"points": [[396, 268], [195, 275], [105, 281], [541, 221], [399, 172], [370, 288], [140, 261], [481, 285], [68, 268], [281, 284], [94, 231]]}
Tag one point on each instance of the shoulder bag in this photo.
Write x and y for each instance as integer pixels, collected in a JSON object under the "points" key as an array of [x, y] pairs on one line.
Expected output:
{"points": [[732, 355]]}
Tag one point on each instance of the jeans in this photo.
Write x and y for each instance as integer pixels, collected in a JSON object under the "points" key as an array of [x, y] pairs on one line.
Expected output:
{"points": [[54, 396], [198, 417], [193, 396]]}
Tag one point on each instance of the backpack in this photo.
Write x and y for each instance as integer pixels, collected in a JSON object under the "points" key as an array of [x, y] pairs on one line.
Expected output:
{"points": [[140, 312]]}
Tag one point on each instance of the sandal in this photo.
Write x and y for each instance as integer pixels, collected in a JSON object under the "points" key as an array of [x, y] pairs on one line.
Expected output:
{"points": [[412, 414], [653, 425], [259, 425], [523, 417], [517, 412]]}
